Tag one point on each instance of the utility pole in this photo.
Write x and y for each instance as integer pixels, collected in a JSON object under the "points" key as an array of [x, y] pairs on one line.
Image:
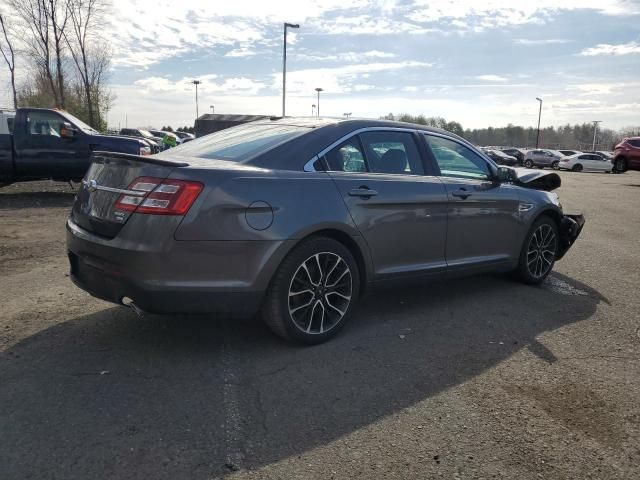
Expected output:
{"points": [[595, 129], [318, 103], [196, 83], [539, 115], [284, 64]]}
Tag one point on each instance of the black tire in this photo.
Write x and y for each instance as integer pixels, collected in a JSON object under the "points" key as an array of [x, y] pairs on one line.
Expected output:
{"points": [[527, 270], [555, 165], [620, 165], [576, 168], [528, 163], [294, 275]]}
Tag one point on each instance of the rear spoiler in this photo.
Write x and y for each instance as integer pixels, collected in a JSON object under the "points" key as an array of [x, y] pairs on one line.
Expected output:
{"points": [[141, 158]]}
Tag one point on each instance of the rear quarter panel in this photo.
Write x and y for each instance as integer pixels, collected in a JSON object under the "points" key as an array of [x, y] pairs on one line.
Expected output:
{"points": [[6, 156], [263, 205]]}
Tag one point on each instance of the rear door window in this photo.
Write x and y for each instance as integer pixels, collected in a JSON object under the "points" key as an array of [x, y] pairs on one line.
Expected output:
{"points": [[347, 157], [392, 152]]}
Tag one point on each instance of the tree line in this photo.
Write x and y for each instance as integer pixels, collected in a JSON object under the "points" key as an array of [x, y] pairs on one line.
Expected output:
{"points": [[578, 136], [62, 53]]}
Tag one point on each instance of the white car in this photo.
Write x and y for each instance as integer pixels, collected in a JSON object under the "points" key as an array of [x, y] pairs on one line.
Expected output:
{"points": [[585, 162]]}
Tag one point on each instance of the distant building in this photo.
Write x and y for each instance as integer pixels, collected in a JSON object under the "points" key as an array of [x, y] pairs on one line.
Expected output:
{"points": [[211, 122]]}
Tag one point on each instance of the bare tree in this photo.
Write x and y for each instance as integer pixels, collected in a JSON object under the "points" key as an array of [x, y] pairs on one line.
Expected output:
{"points": [[45, 22], [8, 53], [92, 63], [59, 15]]}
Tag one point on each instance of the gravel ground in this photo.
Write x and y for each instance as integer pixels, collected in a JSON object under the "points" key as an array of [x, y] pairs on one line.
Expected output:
{"points": [[474, 378]]}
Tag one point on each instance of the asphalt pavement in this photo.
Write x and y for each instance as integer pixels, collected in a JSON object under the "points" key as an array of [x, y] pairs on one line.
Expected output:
{"points": [[479, 377]]}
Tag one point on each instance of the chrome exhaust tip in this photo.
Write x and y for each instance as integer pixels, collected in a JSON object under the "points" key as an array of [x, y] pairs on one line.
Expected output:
{"points": [[128, 302]]}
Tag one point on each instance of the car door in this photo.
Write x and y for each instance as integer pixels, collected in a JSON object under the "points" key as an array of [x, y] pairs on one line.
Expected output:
{"points": [[400, 211], [42, 152], [483, 215], [597, 163]]}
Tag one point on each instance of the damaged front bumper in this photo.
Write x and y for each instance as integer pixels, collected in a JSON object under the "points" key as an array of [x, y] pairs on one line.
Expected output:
{"points": [[570, 228]]}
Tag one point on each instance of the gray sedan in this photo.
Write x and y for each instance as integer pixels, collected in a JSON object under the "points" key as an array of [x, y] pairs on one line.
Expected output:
{"points": [[296, 218]]}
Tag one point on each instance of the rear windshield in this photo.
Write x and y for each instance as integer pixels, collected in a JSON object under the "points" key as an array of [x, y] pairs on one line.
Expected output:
{"points": [[239, 143]]}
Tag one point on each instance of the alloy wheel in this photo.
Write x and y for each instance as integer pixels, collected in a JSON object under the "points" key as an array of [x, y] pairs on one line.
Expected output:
{"points": [[528, 163], [541, 251], [320, 293]]}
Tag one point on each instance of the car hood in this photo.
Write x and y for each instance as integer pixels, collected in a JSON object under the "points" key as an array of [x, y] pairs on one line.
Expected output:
{"points": [[118, 138], [536, 179]]}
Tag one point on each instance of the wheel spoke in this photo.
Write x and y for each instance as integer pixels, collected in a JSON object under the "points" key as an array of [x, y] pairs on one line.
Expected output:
{"points": [[293, 294], [304, 267], [292, 311]]}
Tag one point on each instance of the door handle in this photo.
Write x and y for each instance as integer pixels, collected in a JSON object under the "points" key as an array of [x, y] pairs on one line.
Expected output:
{"points": [[462, 193], [364, 192]]}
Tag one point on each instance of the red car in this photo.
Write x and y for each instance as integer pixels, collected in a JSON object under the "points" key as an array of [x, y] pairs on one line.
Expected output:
{"points": [[627, 155]]}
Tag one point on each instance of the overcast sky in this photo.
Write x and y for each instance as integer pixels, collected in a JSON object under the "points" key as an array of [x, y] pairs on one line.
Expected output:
{"points": [[479, 62]]}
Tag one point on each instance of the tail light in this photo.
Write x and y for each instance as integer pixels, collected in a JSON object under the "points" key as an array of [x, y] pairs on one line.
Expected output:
{"points": [[161, 197]]}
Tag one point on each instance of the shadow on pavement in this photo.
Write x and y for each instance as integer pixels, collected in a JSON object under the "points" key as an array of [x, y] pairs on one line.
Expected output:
{"points": [[111, 395]]}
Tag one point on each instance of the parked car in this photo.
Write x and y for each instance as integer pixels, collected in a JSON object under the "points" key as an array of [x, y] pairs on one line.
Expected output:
{"points": [[585, 162], [541, 158], [162, 133], [153, 140], [40, 143], [519, 153], [568, 153], [626, 155], [297, 217], [605, 155], [501, 158], [185, 136]]}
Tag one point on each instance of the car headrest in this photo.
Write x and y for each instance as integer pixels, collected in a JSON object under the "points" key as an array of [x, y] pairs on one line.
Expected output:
{"points": [[394, 160]]}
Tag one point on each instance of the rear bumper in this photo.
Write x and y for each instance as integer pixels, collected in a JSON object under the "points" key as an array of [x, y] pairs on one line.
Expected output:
{"points": [[570, 228], [227, 277]]}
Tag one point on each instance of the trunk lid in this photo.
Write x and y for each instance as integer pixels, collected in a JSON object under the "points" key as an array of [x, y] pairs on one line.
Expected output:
{"points": [[110, 175]]}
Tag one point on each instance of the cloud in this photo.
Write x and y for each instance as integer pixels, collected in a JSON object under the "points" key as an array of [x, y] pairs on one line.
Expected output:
{"points": [[492, 78], [341, 56], [209, 84], [608, 49], [470, 15], [340, 79], [541, 41]]}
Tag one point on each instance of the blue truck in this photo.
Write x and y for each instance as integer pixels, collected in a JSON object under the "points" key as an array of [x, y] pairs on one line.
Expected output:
{"points": [[41, 143]]}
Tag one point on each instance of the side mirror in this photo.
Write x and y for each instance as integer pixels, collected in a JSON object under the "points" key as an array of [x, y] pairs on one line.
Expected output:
{"points": [[67, 130], [506, 175]]}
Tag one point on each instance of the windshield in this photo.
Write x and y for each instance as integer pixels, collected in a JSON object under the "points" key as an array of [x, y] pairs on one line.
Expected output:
{"points": [[240, 143], [145, 133], [78, 123]]}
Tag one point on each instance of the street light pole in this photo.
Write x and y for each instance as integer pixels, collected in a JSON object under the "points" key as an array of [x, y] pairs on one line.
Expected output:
{"points": [[212, 109], [539, 115], [196, 83], [347, 115], [318, 103], [284, 63], [595, 129], [313, 109]]}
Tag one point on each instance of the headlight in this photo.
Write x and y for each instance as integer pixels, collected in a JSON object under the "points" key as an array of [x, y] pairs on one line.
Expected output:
{"points": [[145, 151]]}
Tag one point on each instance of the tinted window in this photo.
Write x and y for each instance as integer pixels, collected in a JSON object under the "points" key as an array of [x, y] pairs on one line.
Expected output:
{"points": [[392, 152], [456, 160], [239, 143], [347, 157], [634, 143], [44, 124]]}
